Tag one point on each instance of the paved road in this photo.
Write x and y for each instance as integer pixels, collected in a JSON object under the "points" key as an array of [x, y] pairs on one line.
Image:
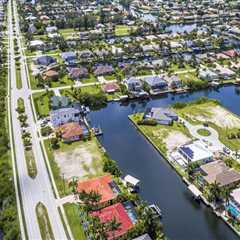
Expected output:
{"points": [[38, 189]]}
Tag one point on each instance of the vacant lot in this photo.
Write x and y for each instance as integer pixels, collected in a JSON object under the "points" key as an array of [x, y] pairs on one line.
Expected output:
{"points": [[81, 159]]}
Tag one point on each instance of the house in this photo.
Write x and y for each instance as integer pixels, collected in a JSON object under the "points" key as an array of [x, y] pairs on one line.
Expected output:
{"points": [[103, 70], [118, 211], [163, 116], [77, 72], [173, 81], [217, 171], [51, 29], [64, 115], [155, 82], [45, 60], [230, 53], [133, 84], [208, 75], [36, 45], [233, 204], [72, 131], [224, 73], [50, 75], [85, 53], [69, 57], [59, 102], [104, 185], [195, 152], [110, 87]]}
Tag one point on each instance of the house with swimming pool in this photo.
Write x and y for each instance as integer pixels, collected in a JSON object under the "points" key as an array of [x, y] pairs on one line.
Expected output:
{"points": [[233, 205], [124, 213]]}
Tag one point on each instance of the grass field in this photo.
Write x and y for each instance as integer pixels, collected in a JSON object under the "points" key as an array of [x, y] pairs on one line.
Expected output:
{"points": [[31, 164], [44, 222], [72, 213], [41, 103], [122, 30]]}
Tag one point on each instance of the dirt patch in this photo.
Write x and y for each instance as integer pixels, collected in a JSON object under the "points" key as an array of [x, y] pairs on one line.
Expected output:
{"points": [[174, 140], [220, 116], [82, 161]]}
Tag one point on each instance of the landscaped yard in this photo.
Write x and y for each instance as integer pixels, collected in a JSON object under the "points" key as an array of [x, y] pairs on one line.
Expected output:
{"points": [[203, 132], [82, 159], [72, 212]]}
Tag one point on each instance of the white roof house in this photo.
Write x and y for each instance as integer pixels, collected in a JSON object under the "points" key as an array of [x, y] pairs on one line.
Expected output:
{"points": [[195, 151], [36, 43]]}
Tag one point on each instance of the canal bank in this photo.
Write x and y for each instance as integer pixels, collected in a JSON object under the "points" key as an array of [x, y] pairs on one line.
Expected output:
{"points": [[182, 217]]}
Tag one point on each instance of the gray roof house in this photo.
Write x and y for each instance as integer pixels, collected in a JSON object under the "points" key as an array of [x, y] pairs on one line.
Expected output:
{"points": [[69, 57], [155, 82], [133, 84], [59, 102], [163, 116], [45, 60], [208, 75]]}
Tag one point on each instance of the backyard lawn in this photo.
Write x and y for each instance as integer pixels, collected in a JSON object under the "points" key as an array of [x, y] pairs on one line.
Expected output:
{"points": [[72, 213]]}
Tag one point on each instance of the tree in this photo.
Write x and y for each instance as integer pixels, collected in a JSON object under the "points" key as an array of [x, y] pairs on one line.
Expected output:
{"points": [[54, 143], [113, 226]]}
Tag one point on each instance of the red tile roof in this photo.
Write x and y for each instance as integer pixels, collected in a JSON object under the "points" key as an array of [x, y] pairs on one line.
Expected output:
{"points": [[230, 53], [71, 130], [110, 87], [118, 212], [100, 185]]}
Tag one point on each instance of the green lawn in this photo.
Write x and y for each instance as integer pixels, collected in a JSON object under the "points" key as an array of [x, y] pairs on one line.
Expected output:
{"points": [[90, 79], [18, 78], [110, 77], [31, 164], [203, 132], [62, 184], [44, 222], [41, 103], [72, 213], [122, 30]]}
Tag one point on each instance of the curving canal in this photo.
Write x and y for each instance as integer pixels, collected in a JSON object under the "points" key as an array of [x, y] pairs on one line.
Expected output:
{"points": [[182, 218]]}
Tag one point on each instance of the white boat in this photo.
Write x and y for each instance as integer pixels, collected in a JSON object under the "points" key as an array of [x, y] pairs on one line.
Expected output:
{"points": [[156, 210]]}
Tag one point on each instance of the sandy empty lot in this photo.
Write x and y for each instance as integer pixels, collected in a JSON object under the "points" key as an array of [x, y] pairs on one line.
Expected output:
{"points": [[85, 160], [175, 139], [220, 116]]}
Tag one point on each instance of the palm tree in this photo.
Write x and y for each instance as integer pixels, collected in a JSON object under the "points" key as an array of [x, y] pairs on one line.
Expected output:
{"points": [[225, 193], [73, 185], [214, 192], [113, 226]]}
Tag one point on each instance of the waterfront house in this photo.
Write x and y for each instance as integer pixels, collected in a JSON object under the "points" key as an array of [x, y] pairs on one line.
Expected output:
{"points": [[163, 116], [233, 204], [72, 131], [110, 87], [217, 171], [104, 185], [124, 213], [173, 81], [224, 72], [64, 115], [208, 75], [195, 152], [133, 84], [155, 82]]}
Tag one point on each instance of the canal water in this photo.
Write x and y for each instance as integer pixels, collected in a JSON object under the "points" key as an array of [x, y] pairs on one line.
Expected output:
{"points": [[183, 219]]}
